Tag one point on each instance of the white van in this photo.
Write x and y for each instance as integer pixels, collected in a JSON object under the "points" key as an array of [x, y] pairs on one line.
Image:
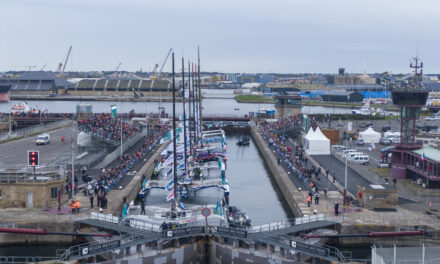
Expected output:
{"points": [[43, 139], [347, 151], [351, 155], [361, 159]]}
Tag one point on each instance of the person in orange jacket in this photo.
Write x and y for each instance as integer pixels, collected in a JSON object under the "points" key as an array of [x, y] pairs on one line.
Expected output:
{"points": [[77, 206], [73, 206], [309, 200]]}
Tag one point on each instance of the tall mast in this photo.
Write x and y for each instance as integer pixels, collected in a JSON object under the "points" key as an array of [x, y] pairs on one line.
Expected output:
{"points": [[184, 112], [189, 106], [200, 89], [194, 107], [174, 204]]}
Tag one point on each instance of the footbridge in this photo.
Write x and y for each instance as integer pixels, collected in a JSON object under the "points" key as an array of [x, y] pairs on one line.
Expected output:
{"points": [[281, 234]]}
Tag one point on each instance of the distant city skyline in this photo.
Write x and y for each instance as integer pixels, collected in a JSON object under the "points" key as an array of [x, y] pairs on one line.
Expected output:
{"points": [[279, 36]]}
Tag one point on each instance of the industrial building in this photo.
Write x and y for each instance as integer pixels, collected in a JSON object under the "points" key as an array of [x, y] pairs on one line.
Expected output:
{"points": [[120, 86], [343, 97], [37, 83]]}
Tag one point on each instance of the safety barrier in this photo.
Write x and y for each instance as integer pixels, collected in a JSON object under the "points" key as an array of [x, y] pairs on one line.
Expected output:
{"points": [[138, 224], [25, 259], [36, 129], [286, 223], [104, 217]]}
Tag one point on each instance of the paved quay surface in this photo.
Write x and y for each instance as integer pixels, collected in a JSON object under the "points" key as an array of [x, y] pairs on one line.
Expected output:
{"points": [[13, 154], [407, 213]]}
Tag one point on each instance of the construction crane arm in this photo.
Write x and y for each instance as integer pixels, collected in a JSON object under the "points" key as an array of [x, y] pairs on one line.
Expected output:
{"points": [[67, 58], [161, 68]]}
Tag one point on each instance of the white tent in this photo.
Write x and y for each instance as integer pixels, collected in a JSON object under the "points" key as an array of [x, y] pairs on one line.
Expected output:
{"points": [[316, 143], [370, 136]]}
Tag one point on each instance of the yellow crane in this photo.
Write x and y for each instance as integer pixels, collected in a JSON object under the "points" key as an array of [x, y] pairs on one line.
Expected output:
{"points": [[154, 76]]}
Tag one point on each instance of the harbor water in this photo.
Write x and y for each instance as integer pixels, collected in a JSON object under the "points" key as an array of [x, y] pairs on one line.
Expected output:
{"points": [[211, 107], [252, 188]]}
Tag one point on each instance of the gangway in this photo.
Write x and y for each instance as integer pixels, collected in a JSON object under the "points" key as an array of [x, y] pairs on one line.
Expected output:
{"points": [[133, 236]]}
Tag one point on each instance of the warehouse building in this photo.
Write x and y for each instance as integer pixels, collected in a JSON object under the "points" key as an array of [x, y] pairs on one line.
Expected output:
{"points": [[343, 97], [37, 83]]}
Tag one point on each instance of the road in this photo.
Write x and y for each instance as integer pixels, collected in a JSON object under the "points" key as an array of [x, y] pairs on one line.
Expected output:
{"points": [[13, 154]]}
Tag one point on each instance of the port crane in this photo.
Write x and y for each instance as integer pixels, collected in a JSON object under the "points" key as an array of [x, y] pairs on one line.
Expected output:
{"points": [[161, 68], [116, 70], [61, 71]]}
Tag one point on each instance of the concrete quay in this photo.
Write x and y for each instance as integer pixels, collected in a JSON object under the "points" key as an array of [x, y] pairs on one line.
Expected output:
{"points": [[353, 220], [63, 221], [297, 200]]}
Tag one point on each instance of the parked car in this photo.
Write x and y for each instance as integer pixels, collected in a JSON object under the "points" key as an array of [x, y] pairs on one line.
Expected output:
{"points": [[43, 139], [370, 124], [362, 124], [352, 155], [394, 140], [386, 128], [432, 118], [383, 165], [362, 159], [337, 147], [360, 141], [387, 150], [385, 141]]}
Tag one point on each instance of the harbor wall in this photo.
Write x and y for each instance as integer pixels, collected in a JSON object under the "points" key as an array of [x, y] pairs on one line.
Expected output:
{"points": [[132, 189], [201, 252], [288, 189], [53, 225]]}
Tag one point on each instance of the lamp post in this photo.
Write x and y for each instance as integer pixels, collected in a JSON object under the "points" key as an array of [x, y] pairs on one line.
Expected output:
{"points": [[122, 104]]}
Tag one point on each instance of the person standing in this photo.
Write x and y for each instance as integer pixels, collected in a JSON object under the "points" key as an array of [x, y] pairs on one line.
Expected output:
{"points": [[143, 206], [309, 200], [77, 206], [336, 209], [72, 206], [91, 201]]}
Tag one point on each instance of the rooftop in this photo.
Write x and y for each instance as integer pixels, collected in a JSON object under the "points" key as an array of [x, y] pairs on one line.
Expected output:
{"points": [[430, 153]]}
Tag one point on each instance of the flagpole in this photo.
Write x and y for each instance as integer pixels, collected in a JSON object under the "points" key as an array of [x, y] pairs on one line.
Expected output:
{"points": [[184, 112], [189, 107], [174, 203], [345, 175]]}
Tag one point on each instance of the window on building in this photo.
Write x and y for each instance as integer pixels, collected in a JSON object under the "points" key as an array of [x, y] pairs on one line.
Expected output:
{"points": [[380, 196], [54, 192]]}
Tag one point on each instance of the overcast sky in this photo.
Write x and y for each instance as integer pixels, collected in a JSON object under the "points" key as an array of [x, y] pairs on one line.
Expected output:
{"points": [[279, 36]]}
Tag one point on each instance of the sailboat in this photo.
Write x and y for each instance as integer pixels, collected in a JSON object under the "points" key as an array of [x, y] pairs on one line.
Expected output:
{"points": [[182, 174], [364, 110]]}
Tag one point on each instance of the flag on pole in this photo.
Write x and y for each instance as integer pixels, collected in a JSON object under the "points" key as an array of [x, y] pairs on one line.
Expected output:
{"points": [[422, 157], [218, 210], [170, 196], [170, 184], [372, 147], [114, 107], [166, 138]]}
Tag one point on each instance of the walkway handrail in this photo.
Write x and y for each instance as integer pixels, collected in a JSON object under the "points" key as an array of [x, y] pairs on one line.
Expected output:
{"points": [[25, 259], [104, 217], [289, 222]]}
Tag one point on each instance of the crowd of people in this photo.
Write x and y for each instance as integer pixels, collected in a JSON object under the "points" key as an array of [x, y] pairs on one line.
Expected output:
{"points": [[110, 177], [107, 128], [293, 156]]}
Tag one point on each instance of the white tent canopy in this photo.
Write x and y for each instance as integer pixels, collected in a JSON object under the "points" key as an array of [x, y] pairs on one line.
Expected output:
{"points": [[370, 136], [316, 143]]}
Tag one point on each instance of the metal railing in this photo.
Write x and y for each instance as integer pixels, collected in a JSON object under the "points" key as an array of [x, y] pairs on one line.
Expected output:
{"points": [[26, 175], [104, 217], [36, 129], [25, 259], [289, 222]]}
